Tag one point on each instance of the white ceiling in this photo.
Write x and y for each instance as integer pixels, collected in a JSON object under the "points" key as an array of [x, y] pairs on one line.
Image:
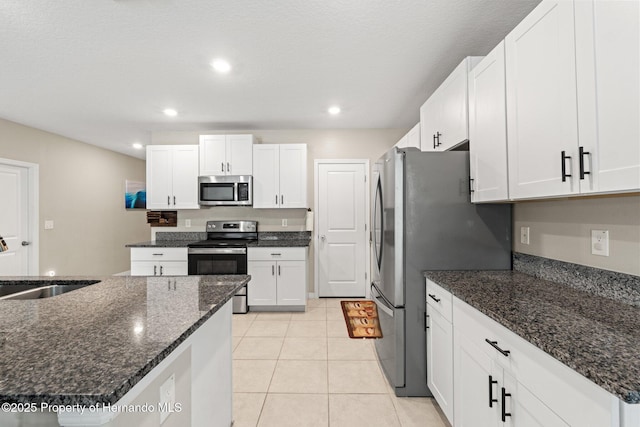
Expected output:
{"points": [[102, 71]]}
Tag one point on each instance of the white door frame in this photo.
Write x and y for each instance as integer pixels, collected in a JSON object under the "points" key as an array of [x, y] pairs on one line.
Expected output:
{"points": [[367, 211], [33, 175]]}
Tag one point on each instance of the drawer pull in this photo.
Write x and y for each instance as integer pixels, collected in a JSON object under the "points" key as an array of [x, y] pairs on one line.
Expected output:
{"points": [[158, 254], [433, 297], [491, 399], [155, 270], [505, 414], [276, 254], [494, 344]]}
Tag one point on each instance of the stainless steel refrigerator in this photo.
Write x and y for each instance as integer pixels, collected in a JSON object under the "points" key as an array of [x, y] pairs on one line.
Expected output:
{"points": [[423, 220]]}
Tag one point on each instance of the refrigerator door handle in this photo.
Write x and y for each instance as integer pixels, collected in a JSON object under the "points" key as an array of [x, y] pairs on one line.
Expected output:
{"points": [[381, 302], [376, 244]]}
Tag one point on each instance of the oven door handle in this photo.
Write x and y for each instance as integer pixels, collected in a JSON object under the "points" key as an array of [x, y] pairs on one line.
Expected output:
{"points": [[217, 251]]}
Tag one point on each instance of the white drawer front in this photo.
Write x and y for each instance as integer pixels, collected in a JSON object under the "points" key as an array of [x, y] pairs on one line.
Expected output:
{"points": [[439, 299], [275, 254], [158, 254]]}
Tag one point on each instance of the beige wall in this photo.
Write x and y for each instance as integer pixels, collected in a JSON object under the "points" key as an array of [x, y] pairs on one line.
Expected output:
{"points": [[82, 191], [561, 229]]}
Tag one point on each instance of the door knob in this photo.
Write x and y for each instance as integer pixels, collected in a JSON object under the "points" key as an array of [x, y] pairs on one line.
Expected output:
{"points": [[25, 243], [323, 237]]}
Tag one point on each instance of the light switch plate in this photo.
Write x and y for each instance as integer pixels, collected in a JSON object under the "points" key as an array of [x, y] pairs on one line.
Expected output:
{"points": [[48, 224], [187, 223], [600, 242], [524, 235], [284, 222]]}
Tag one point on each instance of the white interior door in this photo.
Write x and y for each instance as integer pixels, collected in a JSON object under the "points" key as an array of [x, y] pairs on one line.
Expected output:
{"points": [[14, 224], [342, 218]]}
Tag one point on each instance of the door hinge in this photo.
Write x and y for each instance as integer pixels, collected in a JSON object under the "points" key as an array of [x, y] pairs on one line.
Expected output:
{"points": [[365, 178], [365, 276]]}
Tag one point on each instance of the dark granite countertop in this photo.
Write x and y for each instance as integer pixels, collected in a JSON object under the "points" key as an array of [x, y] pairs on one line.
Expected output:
{"points": [[596, 336], [92, 345], [162, 244]]}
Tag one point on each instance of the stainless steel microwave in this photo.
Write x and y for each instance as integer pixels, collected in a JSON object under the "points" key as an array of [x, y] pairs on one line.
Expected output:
{"points": [[229, 190]]}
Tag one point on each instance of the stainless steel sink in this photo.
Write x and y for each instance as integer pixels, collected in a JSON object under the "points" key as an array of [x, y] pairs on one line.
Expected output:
{"points": [[41, 289]]}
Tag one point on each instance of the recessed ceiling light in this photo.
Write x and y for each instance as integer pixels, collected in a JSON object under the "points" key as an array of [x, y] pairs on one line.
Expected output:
{"points": [[221, 66], [334, 110], [170, 112], [137, 146]]}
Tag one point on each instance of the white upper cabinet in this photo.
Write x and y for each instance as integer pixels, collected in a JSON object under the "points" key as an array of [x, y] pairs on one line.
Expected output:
{"points": [[411, 138], [280, 176], [541, 103], [172, 177], [488, 129], [444, 117], [573, 99], [608, 70], [226, 155]]}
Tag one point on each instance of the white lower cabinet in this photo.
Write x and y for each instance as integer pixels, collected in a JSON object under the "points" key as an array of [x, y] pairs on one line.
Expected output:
{"points": [[500, 379], [506, 381], [278, 277], [159, 262], [440, 347]]}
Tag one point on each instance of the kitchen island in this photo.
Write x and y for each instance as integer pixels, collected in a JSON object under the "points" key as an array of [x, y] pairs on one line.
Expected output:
{"points": [[103, 354]]}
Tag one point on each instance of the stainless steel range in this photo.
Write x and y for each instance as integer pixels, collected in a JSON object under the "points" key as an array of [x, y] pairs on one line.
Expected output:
{"points": [[224, 252]]}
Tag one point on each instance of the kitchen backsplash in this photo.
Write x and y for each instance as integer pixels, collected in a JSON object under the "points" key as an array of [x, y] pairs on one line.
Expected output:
{"points": [[610, 284]]}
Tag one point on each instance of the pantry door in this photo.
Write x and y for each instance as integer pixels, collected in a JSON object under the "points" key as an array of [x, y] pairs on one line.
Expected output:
{"points": [[18, 218], [342, 250]]}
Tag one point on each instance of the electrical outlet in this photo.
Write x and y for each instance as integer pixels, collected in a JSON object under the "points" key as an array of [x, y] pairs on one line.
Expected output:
{"points": [[167, 397], [48, 224], [600, 242], [284, 222], [187, 223], [524, 235]]}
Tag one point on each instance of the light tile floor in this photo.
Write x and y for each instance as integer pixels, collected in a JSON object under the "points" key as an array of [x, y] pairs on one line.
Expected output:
{"points": [[302, 369]]}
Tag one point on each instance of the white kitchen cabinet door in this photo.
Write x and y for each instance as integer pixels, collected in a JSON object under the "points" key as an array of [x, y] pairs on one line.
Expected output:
{"points": [[524, 408], [293, 176], [488, 129], [239, 154], [452, 97], [172, 177], [608, 66], [173, 268], [291, 278], [474, 379], [262, 287], [213, 155], [159, 176], [266, 176], [429, 118], [440, 360], [185, 177], [542, 118]]}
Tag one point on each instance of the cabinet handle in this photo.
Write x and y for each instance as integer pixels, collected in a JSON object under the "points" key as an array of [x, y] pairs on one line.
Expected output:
{"points": [[563, 159], [426, 321], [158, 254], [494, 344], [174, 200], [491, 399], [581, 154], [434, 141], [438, 134], [281, 199], [221, 166], [155, 270], [161, 270], [505, 414], [276, 254], [278, 270], [168, 200], [433, 297], [276, 199], [273, 270], [228, 167], [471, 190]]}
